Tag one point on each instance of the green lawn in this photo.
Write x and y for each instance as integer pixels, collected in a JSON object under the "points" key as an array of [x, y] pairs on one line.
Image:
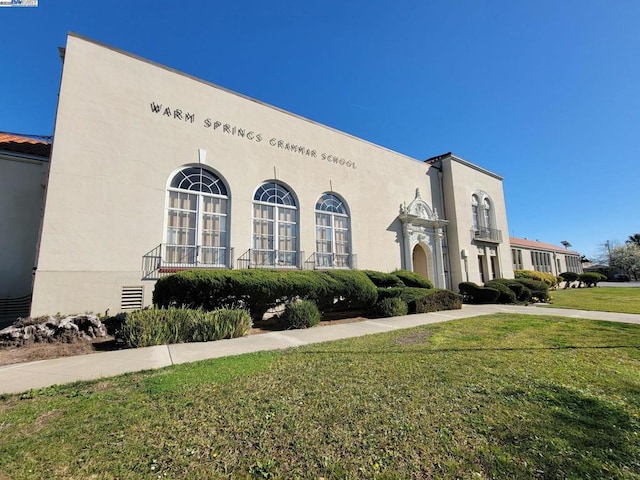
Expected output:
{"points": [[604, 299], [500, 396]]}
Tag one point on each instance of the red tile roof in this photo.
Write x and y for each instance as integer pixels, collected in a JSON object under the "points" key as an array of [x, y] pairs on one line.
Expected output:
{"points": [[25, 144], [523, 242]]}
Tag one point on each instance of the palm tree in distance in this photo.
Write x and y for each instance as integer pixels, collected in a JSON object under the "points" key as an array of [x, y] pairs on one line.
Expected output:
{"points": [[633, 239]]}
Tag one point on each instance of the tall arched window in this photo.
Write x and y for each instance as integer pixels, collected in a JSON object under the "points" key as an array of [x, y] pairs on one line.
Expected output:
{"points": [[275, 227], [197, 209], [486, 213], [474, 212], [333, 244]]}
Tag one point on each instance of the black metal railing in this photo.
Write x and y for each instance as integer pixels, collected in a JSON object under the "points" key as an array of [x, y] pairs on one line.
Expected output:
{"points": [[166, 259], [257, 258], [486, 234], [320, 261]]}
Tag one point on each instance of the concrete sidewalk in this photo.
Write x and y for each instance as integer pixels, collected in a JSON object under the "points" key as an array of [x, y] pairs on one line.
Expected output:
{"points": [[24, 376]]}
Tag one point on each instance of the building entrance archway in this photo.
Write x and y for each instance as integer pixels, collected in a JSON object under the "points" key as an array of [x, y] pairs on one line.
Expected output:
{"points": [[423, 261]]}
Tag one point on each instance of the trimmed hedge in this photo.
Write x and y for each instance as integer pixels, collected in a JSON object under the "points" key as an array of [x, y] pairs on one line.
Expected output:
{"points": [[473, 293], [301, 314], [507, 295], [539, 290], [260, 290], [438, 300], [549, 278], [383, 280], [569, 277], [591, 279], [412, 279], [160, 326], [523, 294], [421, 300]]}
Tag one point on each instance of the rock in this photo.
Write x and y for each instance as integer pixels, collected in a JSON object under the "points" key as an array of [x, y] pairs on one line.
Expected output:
{"points": [[52, 329]]}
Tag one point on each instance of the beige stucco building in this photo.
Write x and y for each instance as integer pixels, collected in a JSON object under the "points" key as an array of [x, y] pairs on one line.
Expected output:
{"points": [[153, 171], [543, 257]]}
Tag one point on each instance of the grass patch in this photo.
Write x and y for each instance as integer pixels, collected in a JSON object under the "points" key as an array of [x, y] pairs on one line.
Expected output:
{"points": [[603, 299], [500, 396]]}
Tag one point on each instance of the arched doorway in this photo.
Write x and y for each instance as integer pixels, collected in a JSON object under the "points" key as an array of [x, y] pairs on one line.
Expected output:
{"points": [[423, 261]]}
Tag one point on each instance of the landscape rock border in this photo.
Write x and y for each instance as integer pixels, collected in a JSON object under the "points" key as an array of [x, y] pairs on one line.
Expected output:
{"points": [[51, 329]]}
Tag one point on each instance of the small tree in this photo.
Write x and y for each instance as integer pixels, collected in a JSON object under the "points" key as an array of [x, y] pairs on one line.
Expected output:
{"points": [[569, 277], [627, 258]]}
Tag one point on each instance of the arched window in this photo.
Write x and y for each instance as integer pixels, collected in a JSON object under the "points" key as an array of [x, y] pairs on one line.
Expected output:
{"points": [[275, 227], [486, 212], [333, 244], [474, 211], [197, 209]]}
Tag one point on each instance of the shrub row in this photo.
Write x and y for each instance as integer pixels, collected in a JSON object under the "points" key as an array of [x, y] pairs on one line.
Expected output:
{"points": [[398, 278], [473, 293], [549, 278], [502, 290], [260, 290], [416, 300], [159, 326], [591, 279]]}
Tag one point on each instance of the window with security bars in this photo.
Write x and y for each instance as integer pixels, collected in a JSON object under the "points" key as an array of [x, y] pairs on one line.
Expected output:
{"points": [[275, 226], [197, 211], [333, 244]]}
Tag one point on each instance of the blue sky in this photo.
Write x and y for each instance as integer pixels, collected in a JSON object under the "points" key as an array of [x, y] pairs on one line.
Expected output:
{"points": [[545, 93]]}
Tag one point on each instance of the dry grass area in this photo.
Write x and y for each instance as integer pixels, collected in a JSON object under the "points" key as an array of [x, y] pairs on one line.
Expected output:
{"points": [[46, 351]]}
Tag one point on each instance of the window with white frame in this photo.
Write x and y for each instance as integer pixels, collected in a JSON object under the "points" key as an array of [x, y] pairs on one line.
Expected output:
{"points": [[197, 211], [275, 226], [483, 217], [474, 212], [333, 244], [541, 261], [486, 213], [516, 256]]}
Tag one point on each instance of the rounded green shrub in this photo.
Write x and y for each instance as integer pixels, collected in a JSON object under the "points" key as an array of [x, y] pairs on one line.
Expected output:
{"points": [[539, 290], [549, 278], [507, 295], [437, 300], [301, 314], [383, 280], [591, 279], [391, 307], [473, 293], [412, 279]]}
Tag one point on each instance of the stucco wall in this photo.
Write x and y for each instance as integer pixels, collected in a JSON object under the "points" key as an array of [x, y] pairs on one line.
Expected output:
{"points": [[113, 156], [461, 181], [21, 198]]}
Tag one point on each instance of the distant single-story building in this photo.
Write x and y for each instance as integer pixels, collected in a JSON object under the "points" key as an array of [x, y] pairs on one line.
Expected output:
{"points": [[543, 257]]}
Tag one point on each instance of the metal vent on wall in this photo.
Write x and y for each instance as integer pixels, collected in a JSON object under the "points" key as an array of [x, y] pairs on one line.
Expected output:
{"points": [[132, 298]]}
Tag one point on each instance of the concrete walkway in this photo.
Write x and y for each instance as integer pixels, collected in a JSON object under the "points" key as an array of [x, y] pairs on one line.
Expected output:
{"points": [[24, 376]]}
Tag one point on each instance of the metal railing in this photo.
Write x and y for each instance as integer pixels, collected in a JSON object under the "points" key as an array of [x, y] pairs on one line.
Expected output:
{"points": [[320, 261], [256, 258], [486, 234], [166, 259]]}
